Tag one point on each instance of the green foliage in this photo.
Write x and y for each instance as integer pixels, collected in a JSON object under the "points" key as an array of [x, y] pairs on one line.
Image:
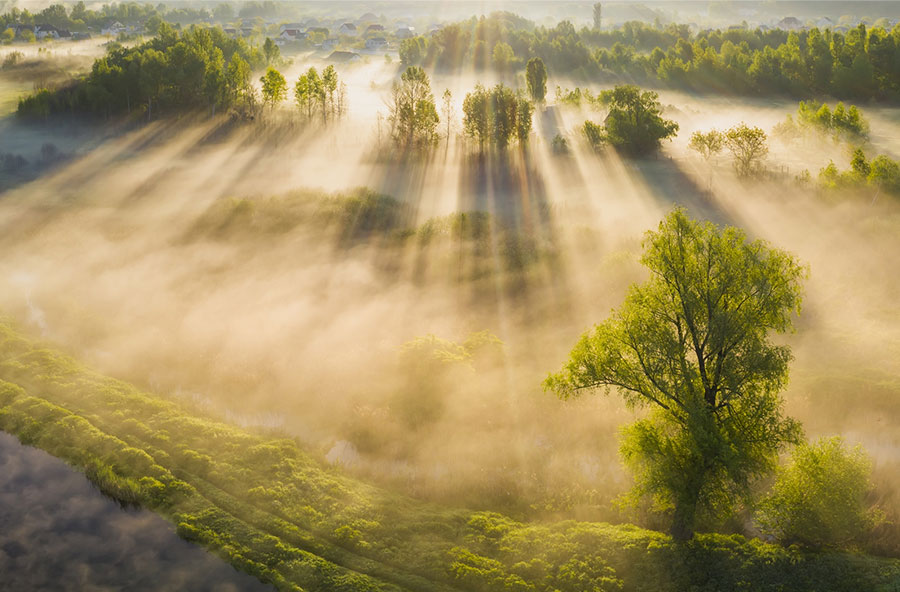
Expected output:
{"points": [[274, 512], [502, 57], [559, 144], [707, 143], [497, 116], [748, 147], [412, 51], [271, 51], [274, 87], [860, 64], [581, 97], [309, 93], [819, 498], [843, 124], [536, 77], [594, 133], [881, 174], [413, 115], [201, 68], [692, 343], [634, 123]]}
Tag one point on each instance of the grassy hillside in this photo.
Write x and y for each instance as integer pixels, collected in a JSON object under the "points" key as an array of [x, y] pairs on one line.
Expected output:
{"points": [[271, 509]]}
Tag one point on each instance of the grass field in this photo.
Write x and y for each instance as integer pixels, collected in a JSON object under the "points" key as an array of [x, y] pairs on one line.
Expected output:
{"points": [[273, 510]]}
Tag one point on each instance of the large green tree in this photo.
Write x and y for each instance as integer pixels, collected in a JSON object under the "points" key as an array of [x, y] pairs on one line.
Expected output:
{"points": [[692, 343], [634, 123]]}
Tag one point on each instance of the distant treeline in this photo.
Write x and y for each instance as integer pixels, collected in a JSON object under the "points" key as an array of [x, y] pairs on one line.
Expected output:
{"points": [[201, 68], [80, 17], [862, 63]]}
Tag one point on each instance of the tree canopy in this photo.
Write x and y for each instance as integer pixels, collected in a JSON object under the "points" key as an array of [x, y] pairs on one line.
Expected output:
{"points": [[274, 87], [413, 114], [536, 77], [497, 116], [748, 145], [634, 123], [707, 143], [201, 68], [692, 343], [819, 498]]}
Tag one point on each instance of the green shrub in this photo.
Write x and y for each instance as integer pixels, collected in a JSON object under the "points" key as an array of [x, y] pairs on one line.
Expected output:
{"points": [[818, 499]]}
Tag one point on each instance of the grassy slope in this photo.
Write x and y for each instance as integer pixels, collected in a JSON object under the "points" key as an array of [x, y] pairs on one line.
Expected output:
{"points": [[270, 509]]}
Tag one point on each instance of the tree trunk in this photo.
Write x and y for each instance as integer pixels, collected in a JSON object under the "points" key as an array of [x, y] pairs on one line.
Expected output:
{"points": [[683, 521]]}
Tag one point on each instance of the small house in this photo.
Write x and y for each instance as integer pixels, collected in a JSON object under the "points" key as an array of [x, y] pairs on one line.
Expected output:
{"points": [[113, 29], [292, 35], [347, 29], [343, 57], [376, 43], [790, 23]]}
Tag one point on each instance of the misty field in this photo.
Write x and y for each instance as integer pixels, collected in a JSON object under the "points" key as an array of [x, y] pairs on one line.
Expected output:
{"points": [[552, 296]]}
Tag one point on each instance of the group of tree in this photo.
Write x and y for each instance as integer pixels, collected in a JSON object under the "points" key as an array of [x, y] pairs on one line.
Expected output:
{"points": [[412, 112], [748, 146], [862, 63], [880, 174], [323, 94], [633, 124], [842, 123], [82, 18], [492, 117], [497, 116], [692, 345], [200, 68]]}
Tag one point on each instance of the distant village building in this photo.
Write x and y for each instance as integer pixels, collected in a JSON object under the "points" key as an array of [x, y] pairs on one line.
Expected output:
{"points": [[405, 32], [113, 29], [292, 35], [44, 31], [825, 23], [375, 29], [330, 43], [376, 43], [285, 26], [343, 57], [790, 23], [347, 29]]}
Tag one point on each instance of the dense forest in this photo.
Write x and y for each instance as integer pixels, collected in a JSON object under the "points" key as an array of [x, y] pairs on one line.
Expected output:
{"points": [[201, 68], [864, 63]]}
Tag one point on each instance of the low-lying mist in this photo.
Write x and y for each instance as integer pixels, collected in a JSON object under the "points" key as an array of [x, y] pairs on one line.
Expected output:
{"points": [[399, 316]]}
